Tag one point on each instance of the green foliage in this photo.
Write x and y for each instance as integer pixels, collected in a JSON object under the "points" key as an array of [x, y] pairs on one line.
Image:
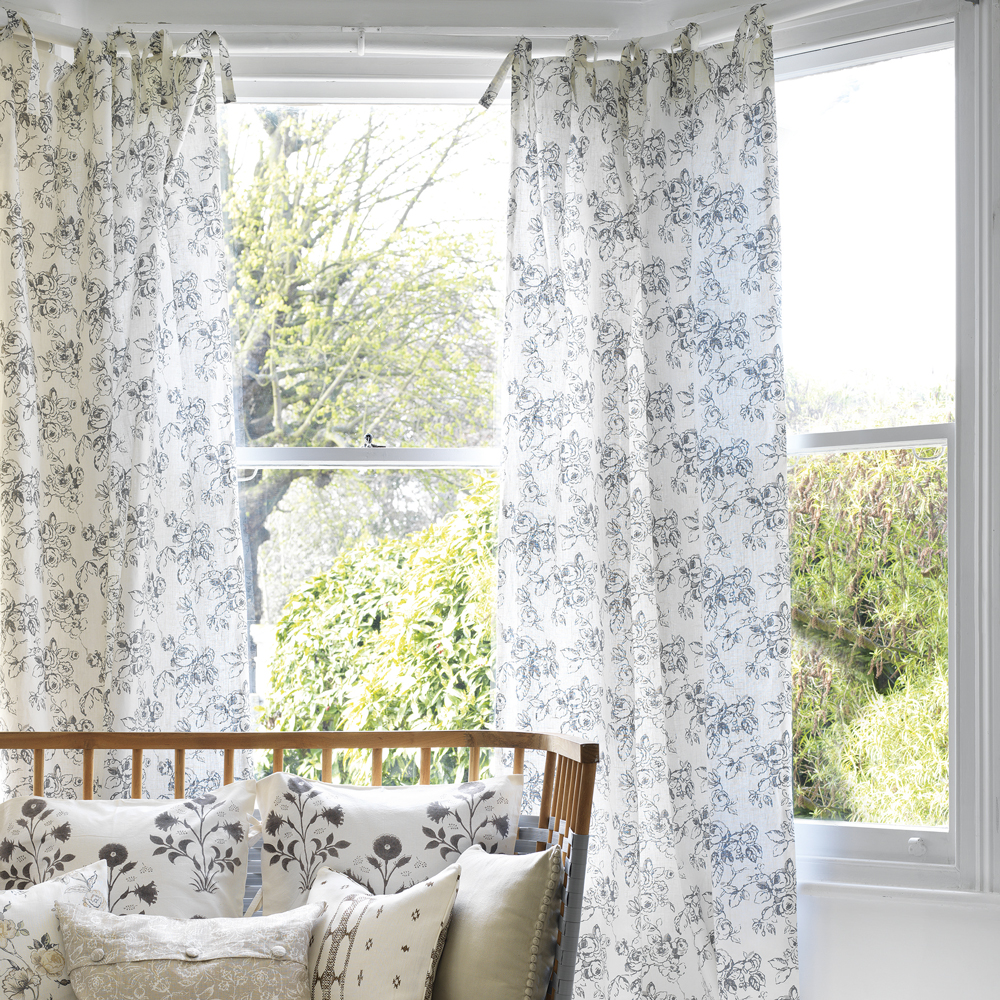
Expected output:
{"points": [[396, 635], [870, 649], [325, 512]]}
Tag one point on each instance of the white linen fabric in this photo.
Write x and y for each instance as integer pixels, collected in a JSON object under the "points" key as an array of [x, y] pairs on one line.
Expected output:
{"points": [[644, 581], [32, 954], [157, 958], [182, 858], [369, 946], [385, 839], [123, 594]]}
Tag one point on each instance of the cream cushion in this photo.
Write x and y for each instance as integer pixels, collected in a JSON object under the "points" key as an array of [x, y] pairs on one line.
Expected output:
{"points": [[32, 954], [503, 929], [158, 958], [369, 946]]}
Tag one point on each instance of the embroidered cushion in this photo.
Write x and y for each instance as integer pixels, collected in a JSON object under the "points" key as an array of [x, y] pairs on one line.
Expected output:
{"points": [[379, 946], [386, 839], [503, 928], [158, 958], [32, 955], [178, 857]]}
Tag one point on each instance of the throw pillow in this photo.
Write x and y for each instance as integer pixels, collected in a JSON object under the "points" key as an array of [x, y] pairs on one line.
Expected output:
{"points": [[158, 958], [379, 946], [503, 929], [386, 839], [32, 955], [177, 857]]}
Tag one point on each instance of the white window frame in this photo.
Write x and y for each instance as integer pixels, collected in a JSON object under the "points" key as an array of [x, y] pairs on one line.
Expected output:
{"points": [[367, 458], [830, 850], [967, 855]]}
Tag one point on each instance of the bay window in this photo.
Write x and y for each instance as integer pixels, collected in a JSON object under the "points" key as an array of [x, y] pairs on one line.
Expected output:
{"points": [[884, 269]]}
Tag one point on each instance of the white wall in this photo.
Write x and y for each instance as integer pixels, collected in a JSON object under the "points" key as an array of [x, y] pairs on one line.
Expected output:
{"points": [[860, 943]]}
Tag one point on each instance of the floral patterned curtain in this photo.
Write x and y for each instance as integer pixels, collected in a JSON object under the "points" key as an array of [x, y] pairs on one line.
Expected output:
{"points": [[644, 589], [123, 592]]}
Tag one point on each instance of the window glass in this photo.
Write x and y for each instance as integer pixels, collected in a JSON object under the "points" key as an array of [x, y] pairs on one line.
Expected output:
{"points": [[867, 171], [868, 233], [870, 635], [365, 247], [377, 593]]}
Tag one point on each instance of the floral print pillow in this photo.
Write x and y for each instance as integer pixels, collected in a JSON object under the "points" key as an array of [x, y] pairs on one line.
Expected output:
{"points": [[385, 839], [32, 957], [176, 857]]}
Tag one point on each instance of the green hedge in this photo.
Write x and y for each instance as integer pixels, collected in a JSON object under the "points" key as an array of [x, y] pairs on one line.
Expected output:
{"points": [[399, 635], [396, 635], [870, 636]]}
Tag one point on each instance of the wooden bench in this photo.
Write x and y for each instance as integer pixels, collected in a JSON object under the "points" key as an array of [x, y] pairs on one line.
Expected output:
{"points": [[568, 772]]}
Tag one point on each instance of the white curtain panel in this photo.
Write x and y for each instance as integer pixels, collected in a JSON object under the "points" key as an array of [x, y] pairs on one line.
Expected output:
{"points": [[122, 570], [644, 594]]}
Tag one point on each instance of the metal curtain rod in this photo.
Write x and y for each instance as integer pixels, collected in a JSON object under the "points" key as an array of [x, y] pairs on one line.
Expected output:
{"points": [[452, 42]]}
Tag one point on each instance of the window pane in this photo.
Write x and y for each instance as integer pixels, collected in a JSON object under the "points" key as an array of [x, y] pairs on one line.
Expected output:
{"points": [[375, 602], [365, 247], [868, 237], [870, 635]]}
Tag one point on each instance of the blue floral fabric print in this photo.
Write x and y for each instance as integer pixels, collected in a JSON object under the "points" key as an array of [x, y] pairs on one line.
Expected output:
{"points": [[644, 581], [123, 597]]}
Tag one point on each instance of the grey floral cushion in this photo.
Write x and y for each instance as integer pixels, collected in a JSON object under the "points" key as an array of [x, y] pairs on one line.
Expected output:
{"points": [[32, 956], [177, 857], [157, 958], [368, 946], [386, 839]]}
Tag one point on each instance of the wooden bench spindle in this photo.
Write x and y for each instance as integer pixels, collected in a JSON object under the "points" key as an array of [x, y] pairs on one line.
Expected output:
{"points": [[137, 774], [545, 805], [228, 766], [38, 780], [376, 766], [327, 756], [279, 760], [473, 763], [178, 774], [425, 765], [88, 772], [519, 760]]}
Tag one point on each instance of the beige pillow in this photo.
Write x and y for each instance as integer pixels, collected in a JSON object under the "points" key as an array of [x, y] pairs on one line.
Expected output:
{"points": [[32, 955], [383, 947], [503, 928], [159, 958]]}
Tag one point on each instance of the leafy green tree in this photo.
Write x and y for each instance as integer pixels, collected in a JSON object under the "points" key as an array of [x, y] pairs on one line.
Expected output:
{"points": [[357, 311], [396, 635]]}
